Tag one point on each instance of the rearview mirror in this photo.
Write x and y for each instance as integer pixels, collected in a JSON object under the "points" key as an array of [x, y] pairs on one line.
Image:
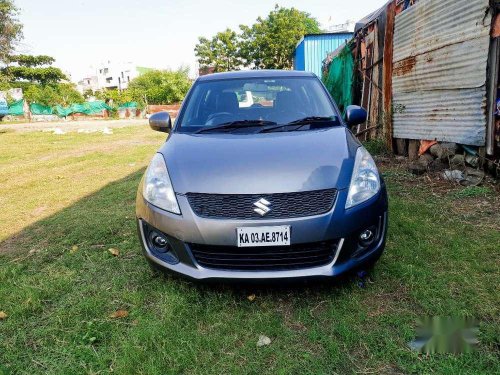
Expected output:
{"points": [[355, 115], [160, 122]]}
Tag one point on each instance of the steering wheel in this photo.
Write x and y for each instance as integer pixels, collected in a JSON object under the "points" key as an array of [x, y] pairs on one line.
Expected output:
{"points": [[219, 118]]}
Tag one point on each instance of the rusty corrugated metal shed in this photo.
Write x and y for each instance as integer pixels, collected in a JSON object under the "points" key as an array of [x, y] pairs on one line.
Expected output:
{"points": [[439, 74]]}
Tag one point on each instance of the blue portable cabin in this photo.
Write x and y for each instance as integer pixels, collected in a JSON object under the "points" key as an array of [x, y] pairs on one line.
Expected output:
{"points": [[312, 49], [4, 109]]}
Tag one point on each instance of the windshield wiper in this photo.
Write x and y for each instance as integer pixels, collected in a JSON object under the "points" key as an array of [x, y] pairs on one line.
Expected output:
{"points": [[300, 123], [313, 119], [236, 125]]}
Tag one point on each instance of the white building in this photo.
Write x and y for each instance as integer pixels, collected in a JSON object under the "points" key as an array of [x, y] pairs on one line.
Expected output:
{"points": [[88, 83], [328, 26], [111, 75]]}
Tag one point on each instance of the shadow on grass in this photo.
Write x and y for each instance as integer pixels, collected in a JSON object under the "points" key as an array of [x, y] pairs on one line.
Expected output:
{"points": [[106, 219]]}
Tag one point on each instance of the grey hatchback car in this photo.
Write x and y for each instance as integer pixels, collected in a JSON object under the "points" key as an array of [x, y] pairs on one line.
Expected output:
{"points": [[260, 178]]}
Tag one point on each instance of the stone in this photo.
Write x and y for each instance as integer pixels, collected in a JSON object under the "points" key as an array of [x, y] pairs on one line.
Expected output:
{"points": [[457, 162], [453, 175], [413, 146], [473, 177], [417, 168], [425, 160], [472, 160], [444, 150], [437, 165], [436, 150], [263, 341]]}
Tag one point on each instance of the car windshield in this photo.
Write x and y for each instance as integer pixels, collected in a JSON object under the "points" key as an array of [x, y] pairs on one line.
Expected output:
{"points": [[257, 104]]}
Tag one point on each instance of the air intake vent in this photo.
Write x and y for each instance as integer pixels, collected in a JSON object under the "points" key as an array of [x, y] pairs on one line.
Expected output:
{"points": [[281, 205], [298, 256]]}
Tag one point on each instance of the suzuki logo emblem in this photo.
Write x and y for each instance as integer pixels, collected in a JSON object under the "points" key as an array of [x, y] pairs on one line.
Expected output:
{"points": [[262, 207]]}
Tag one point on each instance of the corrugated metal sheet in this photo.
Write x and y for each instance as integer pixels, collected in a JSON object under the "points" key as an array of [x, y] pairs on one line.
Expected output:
{"points": [[298, 61], [439, 74], [313, 49]]}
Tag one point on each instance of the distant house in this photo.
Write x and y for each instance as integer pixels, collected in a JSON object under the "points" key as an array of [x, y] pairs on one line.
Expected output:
{"points": [[88, 83], [111, 75], [312, 49]]}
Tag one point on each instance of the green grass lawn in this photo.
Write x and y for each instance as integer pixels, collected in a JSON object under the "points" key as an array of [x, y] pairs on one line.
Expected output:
{"points": [[67, 199]]}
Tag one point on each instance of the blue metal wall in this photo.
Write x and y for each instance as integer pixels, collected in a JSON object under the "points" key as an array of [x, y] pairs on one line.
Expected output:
{"points": [[312, 50]]}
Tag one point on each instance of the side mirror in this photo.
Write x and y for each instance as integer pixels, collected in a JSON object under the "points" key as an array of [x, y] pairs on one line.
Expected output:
{"points": [[160, 122], [355, 115]]}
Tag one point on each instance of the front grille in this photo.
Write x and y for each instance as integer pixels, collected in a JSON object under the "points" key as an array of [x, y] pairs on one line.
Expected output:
{"points": [[282, 205], [265, 258]]}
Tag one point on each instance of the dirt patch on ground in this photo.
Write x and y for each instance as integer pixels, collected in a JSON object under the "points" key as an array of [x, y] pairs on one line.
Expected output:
{"points": [[73, 125], [477, 205]]}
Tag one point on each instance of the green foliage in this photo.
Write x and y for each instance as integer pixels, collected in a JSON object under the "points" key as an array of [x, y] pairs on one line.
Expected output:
{"points": [[376, 146], [267, 44], [221, 52], [33, 69], [88, 93], [160, 87], [42, 75], [50, 95], [31, 61], [10, 28], [114, 96], [270, 42]]}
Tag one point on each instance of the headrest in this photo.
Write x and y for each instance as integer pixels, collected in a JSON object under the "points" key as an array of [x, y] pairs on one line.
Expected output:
{"points": [[227, 102]]}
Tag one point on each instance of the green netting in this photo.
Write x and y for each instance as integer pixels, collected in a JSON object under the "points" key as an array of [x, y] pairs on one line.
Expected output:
{"points": [[38, 109], [62, 112], [17, 108], [89, 108], [128, 105], [339, 78]]}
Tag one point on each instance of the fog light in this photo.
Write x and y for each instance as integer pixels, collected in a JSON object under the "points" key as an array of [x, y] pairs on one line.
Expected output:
{"points": [[367, 236], [160, 241]]}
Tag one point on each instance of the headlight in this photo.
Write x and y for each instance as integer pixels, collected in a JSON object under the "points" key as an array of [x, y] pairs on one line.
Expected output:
{"points": [[157, 188], [365, 181]]}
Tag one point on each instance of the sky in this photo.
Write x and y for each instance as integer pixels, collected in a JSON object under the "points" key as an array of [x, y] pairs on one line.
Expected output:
{"points": [[159, 34]]}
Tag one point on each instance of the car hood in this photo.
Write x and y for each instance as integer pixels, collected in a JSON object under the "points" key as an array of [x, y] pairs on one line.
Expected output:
{"points": [[260, 163]]}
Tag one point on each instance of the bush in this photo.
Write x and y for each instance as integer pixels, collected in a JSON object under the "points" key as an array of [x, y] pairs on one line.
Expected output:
{"points": [[160, 86], [114, 96], [376, 146], [51, 95]]}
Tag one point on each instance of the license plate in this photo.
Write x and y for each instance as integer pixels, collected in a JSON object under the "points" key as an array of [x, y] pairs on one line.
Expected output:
{"points": [[263, 236]]}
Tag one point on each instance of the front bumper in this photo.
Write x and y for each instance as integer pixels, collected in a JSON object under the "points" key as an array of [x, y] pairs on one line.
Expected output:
{"points": [[338, 224]]}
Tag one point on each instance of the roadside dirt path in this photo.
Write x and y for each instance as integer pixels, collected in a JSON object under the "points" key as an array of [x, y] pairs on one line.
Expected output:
{"points": [[72, 126]]}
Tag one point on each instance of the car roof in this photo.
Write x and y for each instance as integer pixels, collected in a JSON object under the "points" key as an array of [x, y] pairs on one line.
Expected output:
{"points": [[255, 74]]}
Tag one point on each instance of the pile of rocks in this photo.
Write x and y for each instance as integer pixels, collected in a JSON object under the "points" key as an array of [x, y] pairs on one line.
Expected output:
{"points": [[458, 163]]}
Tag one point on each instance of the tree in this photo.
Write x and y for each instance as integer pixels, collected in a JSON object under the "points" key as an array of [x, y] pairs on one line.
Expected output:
{"points": [[41, 83], [160, 86], [51, 95], [220, 53], [31, 61], [33, 69], [114, 96], [10, 29], [270, 42]]}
